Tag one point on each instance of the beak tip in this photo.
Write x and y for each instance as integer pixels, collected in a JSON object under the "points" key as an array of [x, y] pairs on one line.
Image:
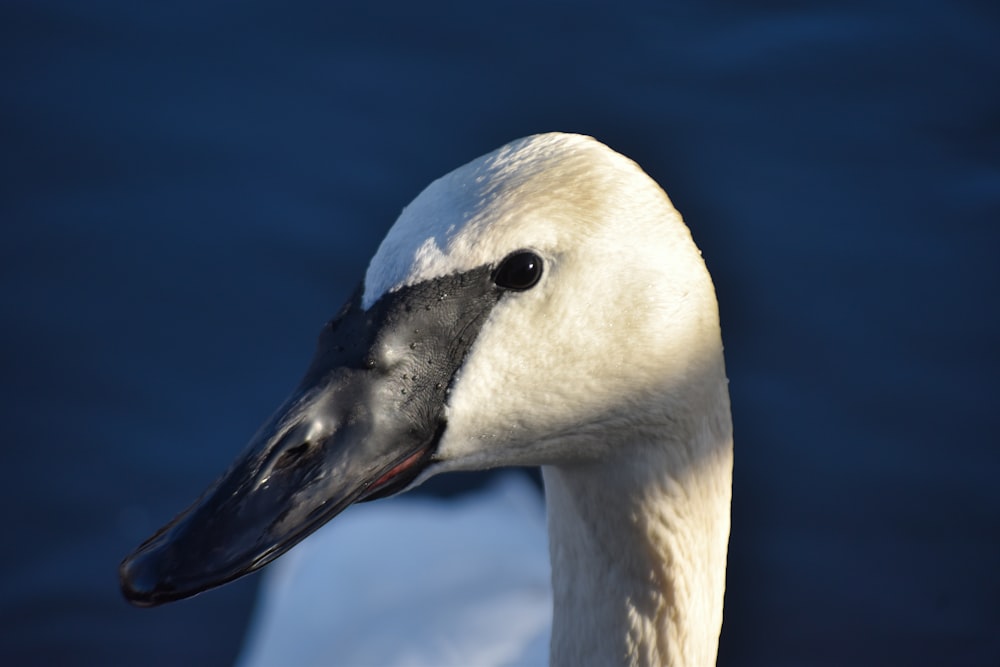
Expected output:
{"points": [[138, 583], [141, 580]]}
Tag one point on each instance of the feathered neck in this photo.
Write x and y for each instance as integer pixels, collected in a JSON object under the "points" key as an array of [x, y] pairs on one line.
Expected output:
{"points": [[638, 546]]}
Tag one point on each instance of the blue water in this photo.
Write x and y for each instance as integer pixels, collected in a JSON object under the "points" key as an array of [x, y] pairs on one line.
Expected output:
{"points": [[188, 191]]}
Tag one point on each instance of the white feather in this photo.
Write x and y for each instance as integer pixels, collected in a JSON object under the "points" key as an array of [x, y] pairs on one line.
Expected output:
{"points": [[413, 581]]}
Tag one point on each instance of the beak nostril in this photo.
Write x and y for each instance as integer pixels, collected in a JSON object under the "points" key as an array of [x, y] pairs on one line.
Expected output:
{"points": [[290, 456]]}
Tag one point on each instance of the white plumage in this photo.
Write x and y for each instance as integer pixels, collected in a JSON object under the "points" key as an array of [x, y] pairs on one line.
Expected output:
{"points": [[413, 581]]}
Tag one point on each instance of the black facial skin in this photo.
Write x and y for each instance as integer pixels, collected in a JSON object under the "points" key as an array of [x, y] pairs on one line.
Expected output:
{"points": [[363, 423]]}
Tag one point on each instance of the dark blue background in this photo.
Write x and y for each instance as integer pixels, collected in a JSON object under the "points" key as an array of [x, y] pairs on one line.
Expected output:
{"points": [[190, 189]]}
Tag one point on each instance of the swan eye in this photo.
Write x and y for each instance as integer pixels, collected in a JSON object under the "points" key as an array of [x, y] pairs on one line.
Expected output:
{"points": [[519, 271]]}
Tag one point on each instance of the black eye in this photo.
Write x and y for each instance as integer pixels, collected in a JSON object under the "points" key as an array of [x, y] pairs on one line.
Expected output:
{"points": [[518, 271]]}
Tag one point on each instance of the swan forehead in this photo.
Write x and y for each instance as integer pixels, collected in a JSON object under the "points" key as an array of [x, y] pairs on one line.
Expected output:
{"points": [[543, 192]]}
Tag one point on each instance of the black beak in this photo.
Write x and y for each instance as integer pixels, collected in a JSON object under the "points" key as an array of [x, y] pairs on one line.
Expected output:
{"points": [[363, 424]]}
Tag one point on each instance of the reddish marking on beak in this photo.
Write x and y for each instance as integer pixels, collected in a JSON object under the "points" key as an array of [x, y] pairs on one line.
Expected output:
{"points": [[400, 467]]}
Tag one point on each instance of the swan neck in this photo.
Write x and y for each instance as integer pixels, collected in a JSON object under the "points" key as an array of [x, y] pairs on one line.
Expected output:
{"points": [[638, 550]]}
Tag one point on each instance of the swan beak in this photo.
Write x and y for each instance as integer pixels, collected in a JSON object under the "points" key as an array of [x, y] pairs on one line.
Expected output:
{"points": [[363, 424]]}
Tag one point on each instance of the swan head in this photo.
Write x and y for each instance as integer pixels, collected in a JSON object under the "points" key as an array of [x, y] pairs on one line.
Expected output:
{"points": [[533, 307]]}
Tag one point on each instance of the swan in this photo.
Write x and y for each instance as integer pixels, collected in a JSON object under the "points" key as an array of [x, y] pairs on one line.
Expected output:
{"points": [[543, 305]]}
